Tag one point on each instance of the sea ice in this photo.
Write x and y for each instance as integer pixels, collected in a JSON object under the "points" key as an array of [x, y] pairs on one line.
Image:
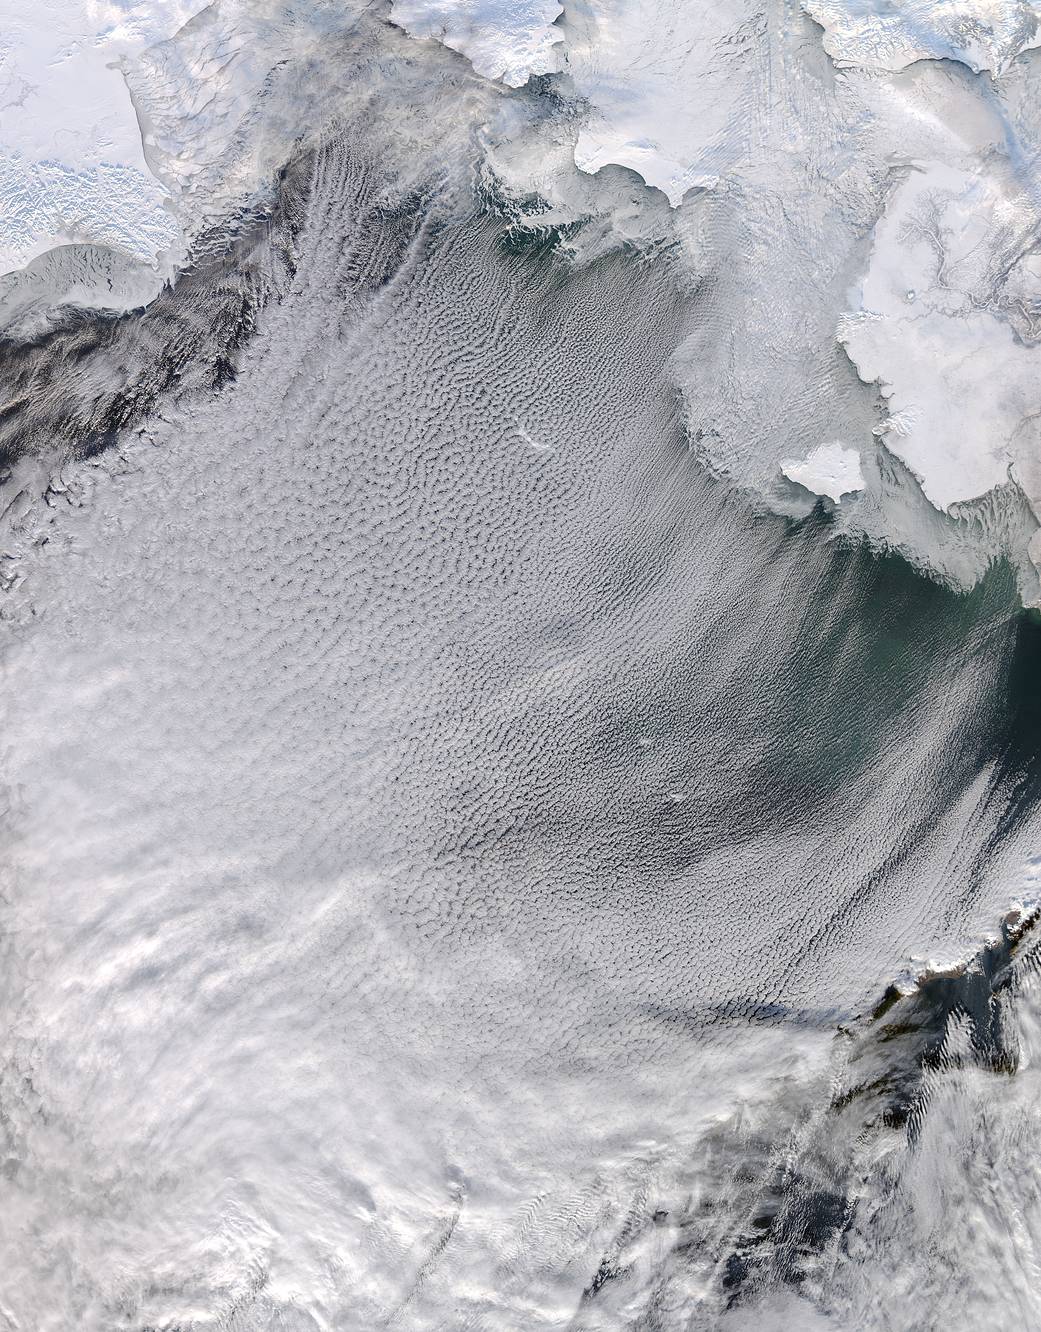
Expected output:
{"points": [[962, 390], [667, 87], [829, 469], [503, 39], [891, 34], [72, 164]]}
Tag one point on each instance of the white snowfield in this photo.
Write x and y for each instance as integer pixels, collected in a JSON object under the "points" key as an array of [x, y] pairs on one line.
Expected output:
{"points": [[72, 162], [962, 389], [891, 34], [131, 126], [665, 88]]}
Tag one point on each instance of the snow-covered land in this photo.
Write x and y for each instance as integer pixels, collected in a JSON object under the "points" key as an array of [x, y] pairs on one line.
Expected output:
{"points": [[503, 39], [73, 168], [851, 191], [891, 34], [963, 390], [129, 128]]}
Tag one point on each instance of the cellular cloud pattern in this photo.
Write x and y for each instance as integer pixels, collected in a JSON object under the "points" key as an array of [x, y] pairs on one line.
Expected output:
{"points": [[521, 742]]}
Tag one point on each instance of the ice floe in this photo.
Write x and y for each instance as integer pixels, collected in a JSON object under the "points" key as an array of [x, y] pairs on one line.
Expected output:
{"points": [[829, 469]]}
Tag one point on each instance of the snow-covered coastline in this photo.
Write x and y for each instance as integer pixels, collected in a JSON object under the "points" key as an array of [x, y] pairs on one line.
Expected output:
{"points": [[73, 168], [129, 129], [853, 201]]}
